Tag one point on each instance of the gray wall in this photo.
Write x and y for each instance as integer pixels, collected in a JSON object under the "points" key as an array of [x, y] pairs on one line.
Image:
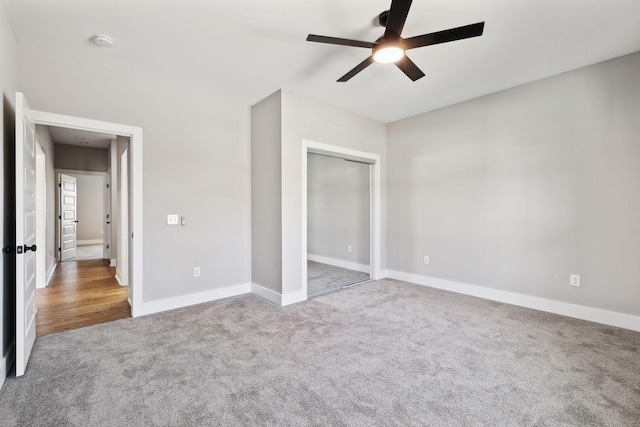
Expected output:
{"points": [[303, 118], [90, 206], [266, 200], [46, 142], [519, 189], [7, 132], [338, 209], [196, 163], [81, 158]]}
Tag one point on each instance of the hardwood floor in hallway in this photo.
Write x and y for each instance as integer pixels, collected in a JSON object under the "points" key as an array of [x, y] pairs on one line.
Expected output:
{"points": [[81, 293]]}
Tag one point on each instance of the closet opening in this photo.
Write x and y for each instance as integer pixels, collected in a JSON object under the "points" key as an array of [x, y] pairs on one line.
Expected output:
{"points": [[338, 223]]}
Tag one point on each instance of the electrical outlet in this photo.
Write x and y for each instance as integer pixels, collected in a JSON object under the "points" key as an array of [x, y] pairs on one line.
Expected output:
{"points": [[349, 248], [172, 219], [196, 271], [574, 280], [426, 260]]}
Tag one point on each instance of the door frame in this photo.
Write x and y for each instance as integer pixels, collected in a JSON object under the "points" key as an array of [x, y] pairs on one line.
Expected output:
{"points": [[135, 189], [122, 230], [375, 201], [105, 209], [41, 215]]}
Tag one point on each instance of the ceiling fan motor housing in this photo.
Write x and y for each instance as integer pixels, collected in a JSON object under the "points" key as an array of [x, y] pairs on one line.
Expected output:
{"points": [[382, 18]]}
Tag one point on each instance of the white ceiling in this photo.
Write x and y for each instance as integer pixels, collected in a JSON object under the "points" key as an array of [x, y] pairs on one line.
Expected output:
{"points": [[248, 49], [81, 138]]}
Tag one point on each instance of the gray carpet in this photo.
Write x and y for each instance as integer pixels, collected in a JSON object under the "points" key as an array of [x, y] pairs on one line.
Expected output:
{"points": [[324, 277], [384, 354]]}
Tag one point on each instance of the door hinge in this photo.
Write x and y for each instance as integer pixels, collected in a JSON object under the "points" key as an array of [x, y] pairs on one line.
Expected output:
{"points": [[132, 235], [60, 184], [107, 185], [59, 216], [59, 249], [107, 246]]}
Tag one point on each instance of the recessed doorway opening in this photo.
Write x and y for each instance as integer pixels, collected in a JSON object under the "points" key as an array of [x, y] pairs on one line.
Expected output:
{"points": [[338, 223], [86, 285], [341, 217]]}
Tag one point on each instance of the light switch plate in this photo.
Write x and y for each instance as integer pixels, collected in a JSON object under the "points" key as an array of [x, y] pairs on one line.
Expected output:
{"points": [[172, 219]]}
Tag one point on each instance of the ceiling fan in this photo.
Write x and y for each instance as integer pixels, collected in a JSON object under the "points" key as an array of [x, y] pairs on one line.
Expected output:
{"points": [[391, 47]]}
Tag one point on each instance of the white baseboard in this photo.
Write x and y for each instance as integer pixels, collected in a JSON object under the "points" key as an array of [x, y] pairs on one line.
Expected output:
{"points": [[112, 262], [268, 294], [89, 242], [363, 268], [118, 277], [7, 361], [192, 299], [606, 317], [293, 297], [50, 271], [278, 298]]}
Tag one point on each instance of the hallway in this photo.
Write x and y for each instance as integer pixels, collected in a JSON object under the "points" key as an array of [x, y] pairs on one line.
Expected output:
{"points": [[81, 293]]}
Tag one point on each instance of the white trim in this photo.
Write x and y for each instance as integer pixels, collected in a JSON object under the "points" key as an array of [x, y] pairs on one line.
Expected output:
{"points": [[606, 317], [117, 277], [277, 298], [265, 293], [75, 172], [7, 361], [41, 215], [135, 180], [89, 242], [193, 299], [376, 209], [294, 297], [50, 271], [363, 268], [112, 262]]}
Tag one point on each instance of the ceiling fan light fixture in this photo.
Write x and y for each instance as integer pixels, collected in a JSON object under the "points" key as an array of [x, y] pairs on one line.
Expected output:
{"points": [[388, 53]]}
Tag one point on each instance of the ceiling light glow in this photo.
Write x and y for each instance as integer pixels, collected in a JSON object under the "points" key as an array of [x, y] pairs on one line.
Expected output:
{"points": [[388, 54]]}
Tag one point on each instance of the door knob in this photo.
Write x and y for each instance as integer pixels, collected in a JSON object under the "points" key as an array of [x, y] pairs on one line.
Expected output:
{"points": [[75, 220], [108, 222]]}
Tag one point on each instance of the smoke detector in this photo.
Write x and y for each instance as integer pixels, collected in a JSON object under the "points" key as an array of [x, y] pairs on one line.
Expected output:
{"points": [[102, 40]]}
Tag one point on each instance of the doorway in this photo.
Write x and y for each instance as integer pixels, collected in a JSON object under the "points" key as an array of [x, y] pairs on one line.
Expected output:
{"points": [[25, 209], [84, 289], [367, 173], [338, 223], [83, 217]]}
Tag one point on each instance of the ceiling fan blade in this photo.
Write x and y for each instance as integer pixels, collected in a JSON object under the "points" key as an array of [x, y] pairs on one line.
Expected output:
{"points": [[453, 34], [338, 41], [409, 68], [361, 66], [397, 17]]}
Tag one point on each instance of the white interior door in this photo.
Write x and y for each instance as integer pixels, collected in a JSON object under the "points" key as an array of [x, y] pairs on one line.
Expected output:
{"points": [[68, 216], [25, 234]]}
